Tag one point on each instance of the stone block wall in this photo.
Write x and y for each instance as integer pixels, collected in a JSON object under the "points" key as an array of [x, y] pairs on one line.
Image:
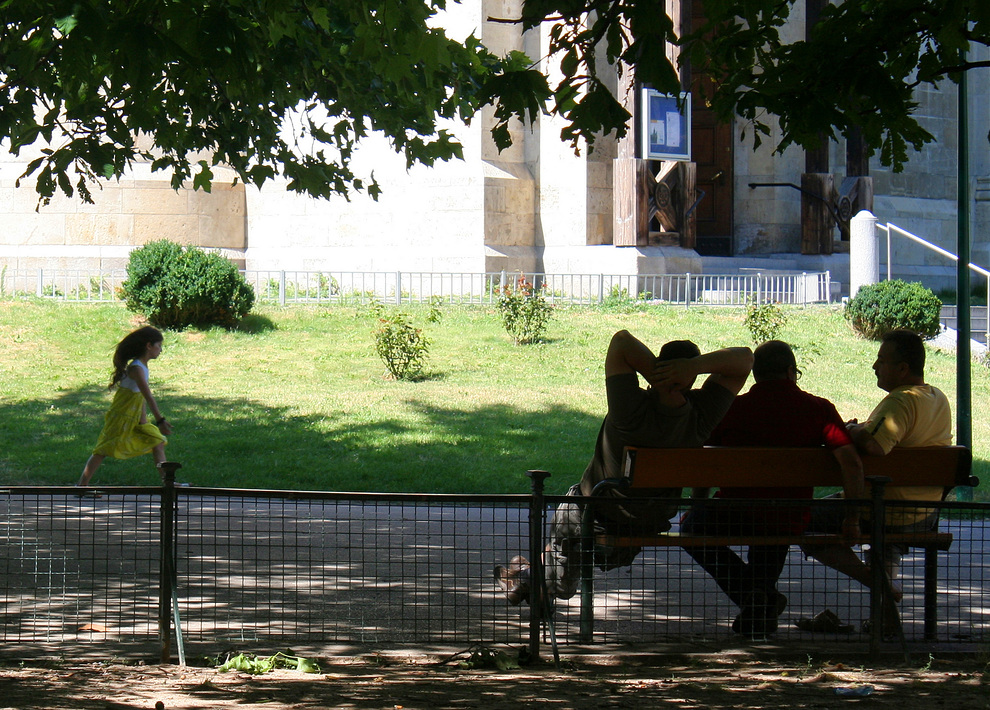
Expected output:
{"points": [[67, 233]]}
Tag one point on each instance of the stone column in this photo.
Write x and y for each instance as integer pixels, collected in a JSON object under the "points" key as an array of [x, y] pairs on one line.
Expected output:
{"points": [[864, 252]]}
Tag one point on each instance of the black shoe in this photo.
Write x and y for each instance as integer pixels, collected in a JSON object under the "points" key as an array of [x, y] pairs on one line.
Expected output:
{"points": [[778, 601], [514, 580], [757, 618]]}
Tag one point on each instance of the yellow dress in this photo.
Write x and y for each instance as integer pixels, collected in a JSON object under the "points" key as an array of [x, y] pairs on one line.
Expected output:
{"points": [[122, 436]]}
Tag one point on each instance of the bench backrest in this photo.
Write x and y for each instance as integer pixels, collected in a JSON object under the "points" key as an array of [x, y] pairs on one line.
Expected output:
{"points": [[727, 467]]}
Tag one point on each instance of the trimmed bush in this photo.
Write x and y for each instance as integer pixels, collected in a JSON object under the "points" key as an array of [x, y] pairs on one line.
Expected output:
{"points": [[880, 308], [175, 287]]}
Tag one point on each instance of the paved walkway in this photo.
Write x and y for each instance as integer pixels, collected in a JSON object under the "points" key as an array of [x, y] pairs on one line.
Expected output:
{"points": [[272, 573]]}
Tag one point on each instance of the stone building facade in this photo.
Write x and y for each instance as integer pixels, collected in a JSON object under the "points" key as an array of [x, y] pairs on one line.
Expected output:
{"points": [[534, 207]]}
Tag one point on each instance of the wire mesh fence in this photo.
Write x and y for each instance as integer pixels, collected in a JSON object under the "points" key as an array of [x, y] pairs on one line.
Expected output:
{"points": [[359, 568], [78, 569], [398, 287], [274, 569], [666, 596]]}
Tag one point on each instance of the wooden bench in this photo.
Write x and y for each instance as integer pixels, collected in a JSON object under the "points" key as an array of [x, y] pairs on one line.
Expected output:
{"points": [[648, 470]]}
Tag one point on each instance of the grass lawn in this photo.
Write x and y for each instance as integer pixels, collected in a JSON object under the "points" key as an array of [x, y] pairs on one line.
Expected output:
{"points": [[296, 398]]}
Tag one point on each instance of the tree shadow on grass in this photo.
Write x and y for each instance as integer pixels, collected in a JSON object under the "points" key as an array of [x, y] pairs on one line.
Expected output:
{"points": [[265, 571], [232, 442]]}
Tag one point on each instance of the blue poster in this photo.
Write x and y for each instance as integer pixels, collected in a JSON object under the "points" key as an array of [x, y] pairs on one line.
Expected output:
{"points": [[666, 126]]}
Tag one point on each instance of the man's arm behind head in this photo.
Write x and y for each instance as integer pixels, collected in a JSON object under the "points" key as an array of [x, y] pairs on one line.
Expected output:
{"points": [[728, 367]]}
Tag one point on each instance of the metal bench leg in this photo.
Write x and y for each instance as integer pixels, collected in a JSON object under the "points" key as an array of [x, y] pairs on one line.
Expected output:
{"points": [[931, 592], [882, 604]]}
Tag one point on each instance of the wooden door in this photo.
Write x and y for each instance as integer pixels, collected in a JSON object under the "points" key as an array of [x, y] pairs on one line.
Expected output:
{"points": [[711, 148]]}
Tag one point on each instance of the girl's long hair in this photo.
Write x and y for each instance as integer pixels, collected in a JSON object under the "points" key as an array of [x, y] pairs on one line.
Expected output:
{"points": [[132, 346]]}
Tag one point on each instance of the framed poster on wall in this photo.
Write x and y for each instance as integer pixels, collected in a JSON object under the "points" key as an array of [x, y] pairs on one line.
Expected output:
{"points": [[665, 128]]}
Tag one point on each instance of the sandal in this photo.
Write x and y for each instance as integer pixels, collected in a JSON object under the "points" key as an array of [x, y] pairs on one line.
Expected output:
{"points": [[514, 580], [825, 622]]}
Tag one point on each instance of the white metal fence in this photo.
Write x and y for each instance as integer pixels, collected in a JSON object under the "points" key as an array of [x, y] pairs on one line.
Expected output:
{"points": [[398, 287]]}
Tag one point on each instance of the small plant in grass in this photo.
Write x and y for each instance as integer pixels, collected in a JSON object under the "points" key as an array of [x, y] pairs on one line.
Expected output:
{"points": [[619, 300], [880, 308], [525, 311], [436, 310], [764, 321], [401, 346]]}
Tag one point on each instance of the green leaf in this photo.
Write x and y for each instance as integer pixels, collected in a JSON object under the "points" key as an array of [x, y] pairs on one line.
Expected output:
{"points": [[308, 666], [505, 662], [66, 24], [203, 180], [569, 64]]}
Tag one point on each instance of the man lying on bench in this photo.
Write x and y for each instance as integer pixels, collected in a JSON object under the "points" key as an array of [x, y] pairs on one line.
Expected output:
{"points": [[670, 413]]}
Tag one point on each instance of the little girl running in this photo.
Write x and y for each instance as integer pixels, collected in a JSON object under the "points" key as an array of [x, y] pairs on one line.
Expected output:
{"points": [[126, 430]]}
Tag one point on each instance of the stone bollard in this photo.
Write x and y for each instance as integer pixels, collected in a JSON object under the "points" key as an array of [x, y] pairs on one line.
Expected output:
{"points": [[864, 252]]}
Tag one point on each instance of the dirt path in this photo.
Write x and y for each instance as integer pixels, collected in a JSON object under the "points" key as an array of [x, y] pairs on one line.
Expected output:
{"points": [[713, 681]]}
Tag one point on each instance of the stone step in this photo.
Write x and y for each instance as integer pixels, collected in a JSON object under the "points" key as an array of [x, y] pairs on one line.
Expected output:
{"points": [[977, 320]]}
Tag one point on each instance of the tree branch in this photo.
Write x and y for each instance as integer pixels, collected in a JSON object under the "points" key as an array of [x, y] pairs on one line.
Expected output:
{"points": [[966, 66]]}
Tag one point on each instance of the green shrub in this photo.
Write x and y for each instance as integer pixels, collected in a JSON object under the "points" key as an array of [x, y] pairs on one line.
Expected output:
{"points": [[764, 321], [617, 298], [436, 310], [177, 286], [880, 308], [525, 311], [401, 346]]}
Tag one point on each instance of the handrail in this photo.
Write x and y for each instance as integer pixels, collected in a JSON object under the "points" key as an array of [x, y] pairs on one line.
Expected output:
{"points": [[888, 228]]}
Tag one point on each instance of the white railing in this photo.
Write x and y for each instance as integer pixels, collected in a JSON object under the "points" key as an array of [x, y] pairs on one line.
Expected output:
{"points": [[83, 285], [891, 229], [397, 287]]}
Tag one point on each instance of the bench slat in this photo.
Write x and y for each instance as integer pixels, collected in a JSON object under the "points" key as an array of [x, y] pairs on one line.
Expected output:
{"points": [[939, 540], [727, 467]]}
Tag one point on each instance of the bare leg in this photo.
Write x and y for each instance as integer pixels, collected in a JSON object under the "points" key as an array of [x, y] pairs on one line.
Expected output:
{"points": [[846, 561], [91, 465], [159, 454]]}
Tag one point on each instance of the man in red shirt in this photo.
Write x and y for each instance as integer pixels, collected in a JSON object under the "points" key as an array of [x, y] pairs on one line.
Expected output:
{"points": [[775, 412]]}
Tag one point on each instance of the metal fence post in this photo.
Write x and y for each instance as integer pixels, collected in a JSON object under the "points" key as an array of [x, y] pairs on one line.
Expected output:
{"points": [[537, 583], [41, 283], [281, 288], [167, 561]]}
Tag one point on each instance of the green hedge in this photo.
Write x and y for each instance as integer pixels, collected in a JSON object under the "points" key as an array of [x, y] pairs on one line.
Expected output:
{"points": [[175, 287], [879, 308]]}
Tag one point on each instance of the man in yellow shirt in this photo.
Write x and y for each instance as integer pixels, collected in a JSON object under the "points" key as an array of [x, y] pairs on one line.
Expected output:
{"points": [[912, 414]]}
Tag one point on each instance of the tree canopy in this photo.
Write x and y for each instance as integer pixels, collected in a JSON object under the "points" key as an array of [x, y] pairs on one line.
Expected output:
{"points": [[265, 87], [289, 87], [857, 71]]}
